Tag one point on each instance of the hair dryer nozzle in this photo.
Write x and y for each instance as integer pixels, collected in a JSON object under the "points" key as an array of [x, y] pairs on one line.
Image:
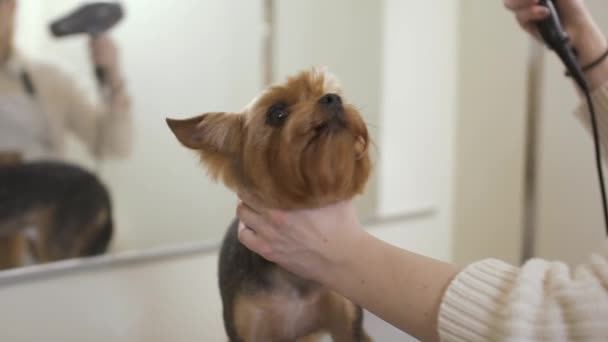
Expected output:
{"points": [[91, 18]]}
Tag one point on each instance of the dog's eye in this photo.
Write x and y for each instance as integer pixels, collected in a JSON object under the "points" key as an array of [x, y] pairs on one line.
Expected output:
{"points": [[276, 115]]}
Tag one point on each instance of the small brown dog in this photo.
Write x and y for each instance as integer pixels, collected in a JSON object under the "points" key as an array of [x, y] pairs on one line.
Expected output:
{"points": [[297, 145]]}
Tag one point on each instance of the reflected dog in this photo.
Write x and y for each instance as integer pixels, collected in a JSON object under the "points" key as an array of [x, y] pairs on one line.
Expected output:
{"points": [[51, 211]]}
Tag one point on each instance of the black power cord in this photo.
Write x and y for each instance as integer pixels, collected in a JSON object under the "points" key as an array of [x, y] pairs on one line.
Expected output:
{"points": [[598, 156], [557, 39]]}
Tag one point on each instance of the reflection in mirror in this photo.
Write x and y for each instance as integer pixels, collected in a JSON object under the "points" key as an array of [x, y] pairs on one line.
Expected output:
{"points": [[87, 164]]}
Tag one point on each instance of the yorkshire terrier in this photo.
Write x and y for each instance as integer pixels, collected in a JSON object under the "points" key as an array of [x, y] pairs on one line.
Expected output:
{"points": [[297, 145], [51, 211]]}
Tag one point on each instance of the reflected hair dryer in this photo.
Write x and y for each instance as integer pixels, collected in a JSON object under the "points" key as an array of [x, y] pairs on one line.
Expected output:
{"points": [[93, 19]]}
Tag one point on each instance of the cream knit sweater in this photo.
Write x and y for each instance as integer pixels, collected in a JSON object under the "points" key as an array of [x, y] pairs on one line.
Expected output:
{"points": [[104, 127], [541, 301]]}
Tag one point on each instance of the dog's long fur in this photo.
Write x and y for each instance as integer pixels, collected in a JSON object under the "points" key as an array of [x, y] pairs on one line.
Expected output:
{"points": [[295, 146], [54, 210]]}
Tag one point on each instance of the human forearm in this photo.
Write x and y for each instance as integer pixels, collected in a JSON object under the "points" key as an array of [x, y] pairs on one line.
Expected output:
{"points": [[590, 44], [329, 245], [106, 127], [401, 287]]}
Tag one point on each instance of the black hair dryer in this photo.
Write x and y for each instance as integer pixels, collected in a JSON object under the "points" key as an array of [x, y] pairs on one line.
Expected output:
{"points": [[92, 18]]}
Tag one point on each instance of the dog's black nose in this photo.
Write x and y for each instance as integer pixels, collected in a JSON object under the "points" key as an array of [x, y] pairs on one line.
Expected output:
{"points": [[331, 101]]}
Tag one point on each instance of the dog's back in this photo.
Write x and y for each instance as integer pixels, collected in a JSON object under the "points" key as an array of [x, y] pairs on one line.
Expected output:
{"points": [[68, 205]]}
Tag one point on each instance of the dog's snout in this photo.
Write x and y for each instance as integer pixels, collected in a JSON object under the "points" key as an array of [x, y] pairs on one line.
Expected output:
{"points": [[331, 101]]}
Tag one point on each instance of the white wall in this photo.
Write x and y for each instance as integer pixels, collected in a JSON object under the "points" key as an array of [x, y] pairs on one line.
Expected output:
{"points": [[27, 31], [419, 100], [178, 300], [570, 222], [418, 111], [489, 133]]}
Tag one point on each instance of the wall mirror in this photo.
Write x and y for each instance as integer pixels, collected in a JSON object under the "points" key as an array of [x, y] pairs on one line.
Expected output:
{"points": [[180, 59]]}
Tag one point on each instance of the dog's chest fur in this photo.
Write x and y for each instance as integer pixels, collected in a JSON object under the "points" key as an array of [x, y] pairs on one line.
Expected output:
{"points": [[292, 313], [265, 290]]}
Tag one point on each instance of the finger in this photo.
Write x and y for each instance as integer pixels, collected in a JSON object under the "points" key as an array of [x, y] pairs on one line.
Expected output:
{"points": [[253, 220], [100, 42], [248, 237], [528, 15], [532, 29], [95, 41], [253, 242], [251, 201], [276, 217], [515, 5]]}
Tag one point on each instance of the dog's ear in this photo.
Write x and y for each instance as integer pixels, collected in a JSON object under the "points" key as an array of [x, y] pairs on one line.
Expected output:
{"points": [[218, 138], [211, 132]]}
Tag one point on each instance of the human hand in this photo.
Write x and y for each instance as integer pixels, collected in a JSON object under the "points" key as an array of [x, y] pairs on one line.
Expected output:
{"points": [[104, 54], [308, 242], [576, 19], [103, 51], [573, 13]]}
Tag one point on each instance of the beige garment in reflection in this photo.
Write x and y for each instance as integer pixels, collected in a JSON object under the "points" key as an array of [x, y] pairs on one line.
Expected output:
{"points": [[105, 128]]}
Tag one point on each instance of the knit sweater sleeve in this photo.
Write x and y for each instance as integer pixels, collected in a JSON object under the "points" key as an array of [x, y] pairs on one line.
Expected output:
{"points": [[541, 301]]}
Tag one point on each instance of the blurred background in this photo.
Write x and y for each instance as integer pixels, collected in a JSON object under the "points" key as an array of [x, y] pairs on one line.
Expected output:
{"points": [[181, 60], [447, 87]]}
